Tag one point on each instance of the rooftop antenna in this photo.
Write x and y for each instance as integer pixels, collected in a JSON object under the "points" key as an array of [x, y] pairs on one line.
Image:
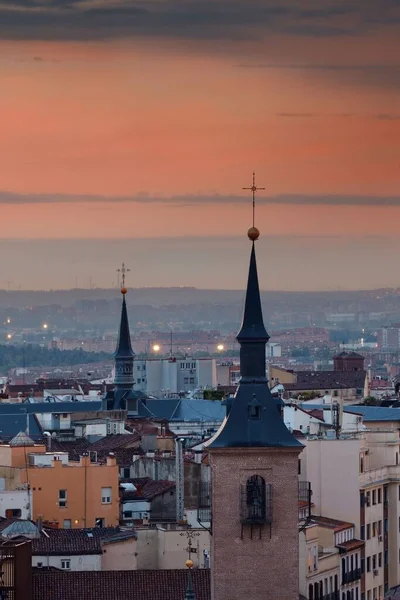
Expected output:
{"points": [[170, 346], [254, 189]]}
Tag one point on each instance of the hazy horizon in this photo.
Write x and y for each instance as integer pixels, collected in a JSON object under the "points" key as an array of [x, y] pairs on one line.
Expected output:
{"points": [[322, 263]]}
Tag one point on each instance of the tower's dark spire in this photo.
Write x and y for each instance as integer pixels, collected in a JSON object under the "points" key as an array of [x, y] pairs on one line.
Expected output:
{"points": [[253, 417], [252, 324], [124, 346], [124, 354]]}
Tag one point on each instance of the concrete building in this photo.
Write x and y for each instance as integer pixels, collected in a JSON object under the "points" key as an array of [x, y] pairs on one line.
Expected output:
{"points": [[166, 547], [168, 377], [71, 494], [356, 478], [330, 560]]}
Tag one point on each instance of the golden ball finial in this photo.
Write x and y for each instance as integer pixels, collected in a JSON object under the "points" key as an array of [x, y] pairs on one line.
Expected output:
{"points": [[123, 290], [189, 563], [253, 234]]}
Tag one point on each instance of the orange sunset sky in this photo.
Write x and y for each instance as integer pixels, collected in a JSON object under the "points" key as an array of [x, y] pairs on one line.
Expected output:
{"points": [[126, 120]]}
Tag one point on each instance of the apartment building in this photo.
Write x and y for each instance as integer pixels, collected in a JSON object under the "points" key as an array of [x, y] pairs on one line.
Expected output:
{"points": [[356, 478], [70, 494], [167, 377], [330, 560]]}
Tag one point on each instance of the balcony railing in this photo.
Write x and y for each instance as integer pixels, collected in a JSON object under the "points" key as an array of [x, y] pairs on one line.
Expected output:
{"points": [[332, 596], [351, 576]]}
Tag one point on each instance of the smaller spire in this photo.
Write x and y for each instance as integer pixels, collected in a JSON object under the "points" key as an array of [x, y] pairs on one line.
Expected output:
{"points": [[189, 587], [124, 345]]}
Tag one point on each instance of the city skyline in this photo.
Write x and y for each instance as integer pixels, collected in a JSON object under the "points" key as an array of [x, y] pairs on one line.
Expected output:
{"points": [[145, 121]]}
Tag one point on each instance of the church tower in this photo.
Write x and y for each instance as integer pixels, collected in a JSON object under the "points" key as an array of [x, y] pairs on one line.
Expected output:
{"points": [[254, 471], [123, 355]]}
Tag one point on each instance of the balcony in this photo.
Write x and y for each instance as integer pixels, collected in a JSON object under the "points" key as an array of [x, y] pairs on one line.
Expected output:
{"points": [[351, 576], [379, 475]]}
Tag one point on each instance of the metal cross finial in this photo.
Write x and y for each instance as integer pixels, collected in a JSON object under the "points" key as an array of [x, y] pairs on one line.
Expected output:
{"points": [[190, 535], [254, 189], [123, 270]]}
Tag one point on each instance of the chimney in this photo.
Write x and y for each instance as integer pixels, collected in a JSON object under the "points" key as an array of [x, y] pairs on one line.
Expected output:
{"points": [[111, 460]]}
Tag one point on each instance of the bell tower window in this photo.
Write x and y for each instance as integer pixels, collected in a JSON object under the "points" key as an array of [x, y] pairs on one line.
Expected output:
{"points": [[256, 503]]}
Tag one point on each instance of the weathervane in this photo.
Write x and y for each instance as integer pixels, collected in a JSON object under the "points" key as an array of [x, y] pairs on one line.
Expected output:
{"points": [[254, 189], [123, 270]]}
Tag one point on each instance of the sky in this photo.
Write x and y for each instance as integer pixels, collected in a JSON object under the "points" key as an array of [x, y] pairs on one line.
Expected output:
{"points": [[128, 130]]}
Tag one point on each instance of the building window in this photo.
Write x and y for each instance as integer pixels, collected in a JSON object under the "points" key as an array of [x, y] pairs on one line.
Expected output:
{"points": [[368, 498], [186, 380], [106, 495], [12, 513], [379, 527], [374, 529], [299, 467], [380, 559], [368, 564], [374, 562], [379, 495], [67, 524], [193, 365], [386, 557], [62, 498], [191, 380], [368, 531], [255, 499], [362, 532], [373, 496], [361, 464], [99, 522], [66, 564]]}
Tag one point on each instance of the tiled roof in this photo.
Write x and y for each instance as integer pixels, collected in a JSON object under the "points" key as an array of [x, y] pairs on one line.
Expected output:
{"points": [[112, 442], [72, 542], [49, 407], [332, 523], [351, 545], [74, 448], [375, 413], [103, 447], [327, 380], [119, 585], [149, 489]]}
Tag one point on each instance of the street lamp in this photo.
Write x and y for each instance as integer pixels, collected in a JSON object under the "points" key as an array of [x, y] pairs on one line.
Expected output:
{"points": [[220, 347], [45, 326], [156, 348]]}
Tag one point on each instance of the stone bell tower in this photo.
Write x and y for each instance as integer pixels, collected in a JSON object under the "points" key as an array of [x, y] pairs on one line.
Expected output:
{"points": [[254, 471]]}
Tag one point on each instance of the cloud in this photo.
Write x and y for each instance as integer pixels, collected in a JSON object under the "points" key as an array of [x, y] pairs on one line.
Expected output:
{"points": [[387, 75], [305, 115], [7, 198], [201, 19]]}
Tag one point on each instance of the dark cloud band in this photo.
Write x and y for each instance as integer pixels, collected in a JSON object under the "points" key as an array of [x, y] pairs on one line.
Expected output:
{"points": [[7, 197]]}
